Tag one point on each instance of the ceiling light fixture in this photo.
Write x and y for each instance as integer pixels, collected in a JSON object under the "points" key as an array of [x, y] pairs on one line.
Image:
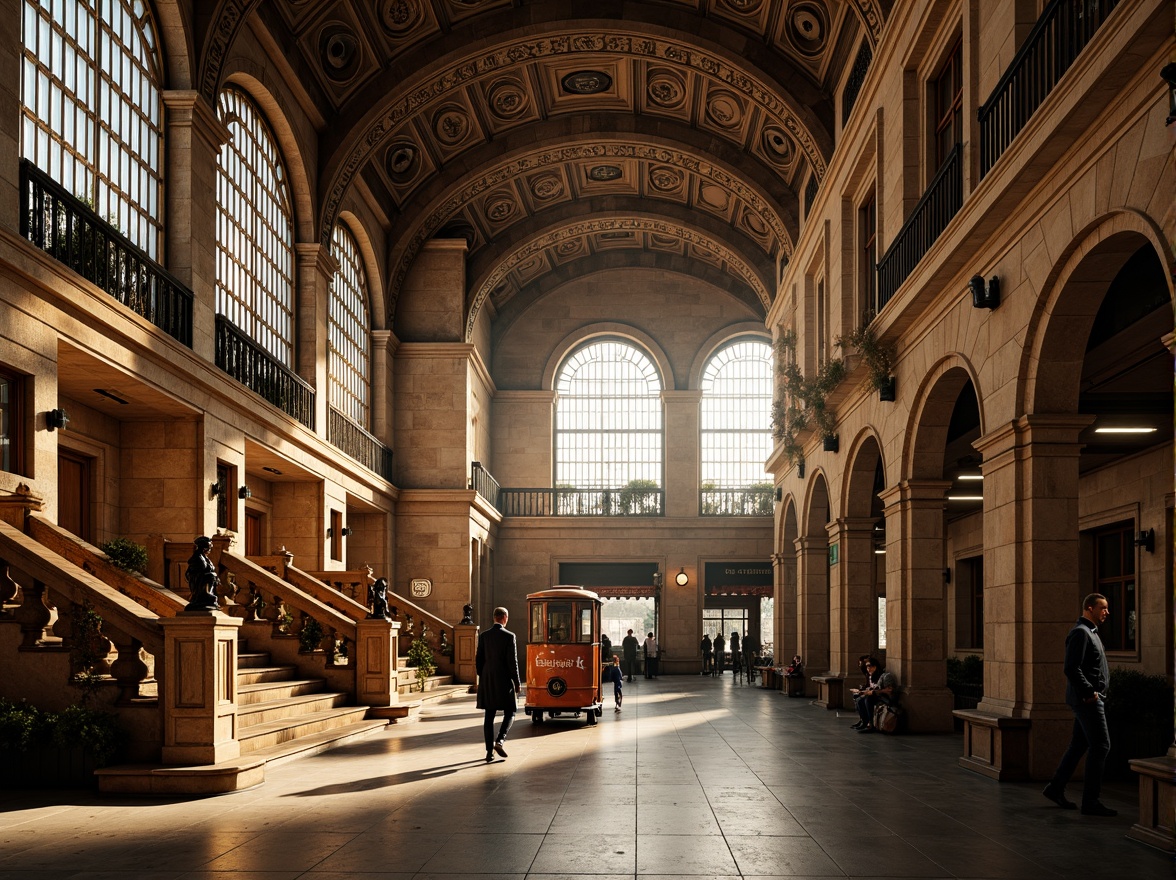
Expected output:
{"points": [[272, 470], [110, 395], [1126, 429], [970, 477], [965, 497]]}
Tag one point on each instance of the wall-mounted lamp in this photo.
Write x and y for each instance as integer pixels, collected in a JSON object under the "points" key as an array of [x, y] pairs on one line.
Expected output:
{"points": [[244, 493], [1168, 75], [216, 490], [831, 443], [1146, 540], [947, 575], [681, 578], [800, 468], [779, 493], [985, 298], [343, 532], [56, 418]]}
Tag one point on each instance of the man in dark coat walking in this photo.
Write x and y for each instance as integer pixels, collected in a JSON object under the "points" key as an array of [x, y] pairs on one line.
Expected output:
{"points": [[497, 662], [629, 647]]}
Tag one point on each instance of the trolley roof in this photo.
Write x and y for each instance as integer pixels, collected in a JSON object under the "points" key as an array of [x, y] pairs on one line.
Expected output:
{"points": [[564, 592]]}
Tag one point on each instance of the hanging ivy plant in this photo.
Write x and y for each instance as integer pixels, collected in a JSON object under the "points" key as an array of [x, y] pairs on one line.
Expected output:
{"points": [[805, 400], [878, 356], [126, 554]]}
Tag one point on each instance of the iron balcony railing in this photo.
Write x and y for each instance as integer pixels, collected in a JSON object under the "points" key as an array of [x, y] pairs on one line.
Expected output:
{"points": [[1062, 31], [257, 370], [73, 234], [582, 502], [358, 443], [939, 204], [484, 484], [749, 501]]}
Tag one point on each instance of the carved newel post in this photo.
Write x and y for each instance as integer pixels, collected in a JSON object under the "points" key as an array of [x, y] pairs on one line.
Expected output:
{"points": [[465, 635], [202, 578]]}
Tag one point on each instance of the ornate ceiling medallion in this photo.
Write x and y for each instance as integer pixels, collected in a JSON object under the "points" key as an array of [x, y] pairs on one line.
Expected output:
{"points": [[451, 125], [604, 173], [714, 197], [666, 89], [339, 52], [500, 208], [586, 82], [400, 16], [808, 28], [401, 162], [665, 179], [570, 247], [744, 7], [547, 187], [778, 146], [724, 110], [507, 99]]}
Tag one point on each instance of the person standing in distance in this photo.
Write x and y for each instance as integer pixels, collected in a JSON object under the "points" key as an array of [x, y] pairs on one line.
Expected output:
{"points": [[629, 647], [1087, 677], [497, 662]]}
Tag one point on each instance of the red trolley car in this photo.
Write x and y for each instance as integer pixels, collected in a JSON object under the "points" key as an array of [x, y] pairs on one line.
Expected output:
{"points": [[563, 654]]}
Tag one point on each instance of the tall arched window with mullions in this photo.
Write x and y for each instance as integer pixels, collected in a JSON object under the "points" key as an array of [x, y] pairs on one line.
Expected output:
{"points": [[91, 108], [254, 230], [350, 337], [736, 430], [608, 432]]}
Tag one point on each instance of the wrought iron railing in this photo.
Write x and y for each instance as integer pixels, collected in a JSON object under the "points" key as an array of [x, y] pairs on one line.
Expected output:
{"points": [[582, 502], [939, 204], [257, 370], [1062, 31], [73, 234], [857, 76], [748, 501], [483, 483], [358, 443]]}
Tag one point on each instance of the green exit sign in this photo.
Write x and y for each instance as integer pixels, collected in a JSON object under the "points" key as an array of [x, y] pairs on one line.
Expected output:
{"points": [[833, 553]]}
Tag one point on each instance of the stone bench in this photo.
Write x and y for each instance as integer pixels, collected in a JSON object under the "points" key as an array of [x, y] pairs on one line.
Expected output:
{"points": [[995, 746], [1157, 802], [771, 677], [830, 690]]}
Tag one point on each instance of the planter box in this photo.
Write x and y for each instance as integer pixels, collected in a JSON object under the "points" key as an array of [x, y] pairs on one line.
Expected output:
{"points": [[47, 767]]}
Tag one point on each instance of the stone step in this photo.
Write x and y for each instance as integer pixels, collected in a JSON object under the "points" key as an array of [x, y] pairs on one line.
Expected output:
{"points": [[410, 686], [284, 730], [259, 692], [255, 674], [291, 708], [250, 659], [313, 743]]}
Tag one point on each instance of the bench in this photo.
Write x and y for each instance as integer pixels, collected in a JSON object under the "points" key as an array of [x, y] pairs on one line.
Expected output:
{"points": [[771, 677], [830, 690]]}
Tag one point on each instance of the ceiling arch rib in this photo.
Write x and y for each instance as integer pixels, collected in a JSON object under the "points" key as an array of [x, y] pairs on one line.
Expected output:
{"points": [[434, 121], [492, 202], [537, 255]]}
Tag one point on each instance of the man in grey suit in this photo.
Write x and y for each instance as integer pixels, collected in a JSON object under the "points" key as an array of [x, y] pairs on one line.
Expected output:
{"points": [[498, 680]]}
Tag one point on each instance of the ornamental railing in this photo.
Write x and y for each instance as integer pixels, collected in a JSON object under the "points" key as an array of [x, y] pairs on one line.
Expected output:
{"points": [[484, 484], [939, 204], [749, 501], [73, 234], [582, 502], [260, 372], [358, 443], [1061, 33]]}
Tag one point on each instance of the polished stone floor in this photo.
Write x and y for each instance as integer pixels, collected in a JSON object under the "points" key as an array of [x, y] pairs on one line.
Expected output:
{"points": [[695, 778]]}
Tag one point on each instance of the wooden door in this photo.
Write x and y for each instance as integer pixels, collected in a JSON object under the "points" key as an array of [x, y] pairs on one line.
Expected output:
{"points": [[73, 493], [252, 533]]}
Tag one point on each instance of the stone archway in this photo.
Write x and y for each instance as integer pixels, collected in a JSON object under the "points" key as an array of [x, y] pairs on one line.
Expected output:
{"points": [[812, 578], [784, 571]]}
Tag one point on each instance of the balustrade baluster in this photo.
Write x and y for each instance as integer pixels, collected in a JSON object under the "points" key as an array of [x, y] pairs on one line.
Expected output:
{"points": [[33, 615], [128, 669]]}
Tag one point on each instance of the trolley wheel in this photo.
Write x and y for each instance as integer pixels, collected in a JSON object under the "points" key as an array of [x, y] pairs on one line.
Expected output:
{"points": [[536, 716], [591, 715]]}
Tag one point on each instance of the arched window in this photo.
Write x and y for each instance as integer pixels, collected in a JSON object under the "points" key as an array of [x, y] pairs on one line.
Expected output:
{"points": [[737, 416], [254, 230], [91, 110], [608, 423], [350, 336]]}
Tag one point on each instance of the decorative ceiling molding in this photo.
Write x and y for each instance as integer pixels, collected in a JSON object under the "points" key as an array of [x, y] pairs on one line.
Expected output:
{"points": [[225, 24], [410, 244], [873, 18], [427, 97], [552, 239]]}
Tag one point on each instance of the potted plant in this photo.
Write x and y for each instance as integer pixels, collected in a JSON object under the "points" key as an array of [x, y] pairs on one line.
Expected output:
{"points": [[806, 403], [126, 554], [878, 357], [420, 656]]}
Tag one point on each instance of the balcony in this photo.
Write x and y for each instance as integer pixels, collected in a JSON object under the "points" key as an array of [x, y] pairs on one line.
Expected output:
{"points": [[484, 484], [74, 235], [747, 501], [1061, 33], [941, 202], [257, 370], [582, 502], [358, 443]]}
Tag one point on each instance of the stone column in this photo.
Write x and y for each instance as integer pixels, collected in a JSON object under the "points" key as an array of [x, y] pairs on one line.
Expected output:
{"points": [[193, 141], [916, 601], [682, 452], [784, 588], [851, 594], [384, 345], [1031, 590], [316, 270], [198, 691], [812, 604]]}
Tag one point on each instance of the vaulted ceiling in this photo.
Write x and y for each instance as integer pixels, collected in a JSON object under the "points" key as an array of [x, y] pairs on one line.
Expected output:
{"points": [[560, 136]]}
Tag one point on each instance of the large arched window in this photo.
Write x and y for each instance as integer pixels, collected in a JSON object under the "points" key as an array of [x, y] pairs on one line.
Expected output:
{"points": [[736, 425], [350, 335], [608, 426], [254, 230], [91, 111]]}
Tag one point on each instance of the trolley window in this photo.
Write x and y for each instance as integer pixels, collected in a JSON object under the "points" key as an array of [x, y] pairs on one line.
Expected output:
{"points": [[559, 622], [585, 614], [537, 634]]}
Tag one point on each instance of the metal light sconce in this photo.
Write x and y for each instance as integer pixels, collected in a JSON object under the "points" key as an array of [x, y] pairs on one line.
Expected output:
{"points": [[216, 490], [1146, 540], [984, 298], [1168, 75], [343, 532], [681, 578], [56, 418], [244, 493]]}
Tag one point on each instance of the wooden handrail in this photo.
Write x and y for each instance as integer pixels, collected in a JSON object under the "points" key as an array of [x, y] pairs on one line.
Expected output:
{"points": [[325, 593]]}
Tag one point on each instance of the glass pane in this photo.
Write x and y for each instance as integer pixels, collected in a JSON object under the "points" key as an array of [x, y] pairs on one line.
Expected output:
{"points": [[559, 621], [537, 634], [585, 632]]}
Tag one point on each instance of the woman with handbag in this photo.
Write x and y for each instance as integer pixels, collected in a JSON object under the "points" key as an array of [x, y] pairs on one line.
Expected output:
{"points": [[881, 692]]}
